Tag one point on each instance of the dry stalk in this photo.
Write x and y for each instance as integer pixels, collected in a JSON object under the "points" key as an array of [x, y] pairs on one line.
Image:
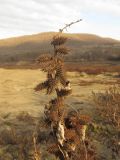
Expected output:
{"points": [[68, 25], [36, 151]]}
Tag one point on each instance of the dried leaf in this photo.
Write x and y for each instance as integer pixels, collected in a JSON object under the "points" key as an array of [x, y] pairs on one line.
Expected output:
{"points": [[62, 50], [58, 40], [41, 86]]}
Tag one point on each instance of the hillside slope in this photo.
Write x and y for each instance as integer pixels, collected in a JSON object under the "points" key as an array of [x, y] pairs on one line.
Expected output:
{"points": [[84, 47]]}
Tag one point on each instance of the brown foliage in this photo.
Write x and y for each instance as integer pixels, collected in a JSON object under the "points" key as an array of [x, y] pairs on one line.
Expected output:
{"points": [[25, 117], [44, 58], [62, 50], [63, 92], [19, 145], [47, 63], [94, 69], [108, 104], [41, 86], [58, 40], [60, 75], [49, 85], [8, 136]]}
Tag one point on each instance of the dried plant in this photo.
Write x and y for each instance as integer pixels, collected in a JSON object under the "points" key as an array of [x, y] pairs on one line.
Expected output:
{"points": [[58, 40], [108, 108], [8, 136], [68, 25], [108, 104], [62, 50], [25, 117], [54, 66], [19, 145], [69, 131], [36, 154]]}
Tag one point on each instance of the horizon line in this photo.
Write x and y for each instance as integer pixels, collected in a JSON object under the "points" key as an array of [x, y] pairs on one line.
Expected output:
{"points": [[25, 35]]}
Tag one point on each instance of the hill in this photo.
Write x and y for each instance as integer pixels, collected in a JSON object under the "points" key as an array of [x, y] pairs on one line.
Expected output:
{"points": [[84, 47]]}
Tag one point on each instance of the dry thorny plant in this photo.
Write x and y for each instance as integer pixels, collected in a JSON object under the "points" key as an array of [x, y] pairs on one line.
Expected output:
{"points": [[20, 146], [62, 130], [108, 104], [108, 107], [68, 128]]}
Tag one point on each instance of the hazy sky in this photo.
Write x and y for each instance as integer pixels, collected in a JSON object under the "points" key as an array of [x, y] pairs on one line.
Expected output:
{"points": [[21, 17]]}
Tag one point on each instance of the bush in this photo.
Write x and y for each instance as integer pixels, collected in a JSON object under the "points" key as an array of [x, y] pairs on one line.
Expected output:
{"points": [[108, 105]]}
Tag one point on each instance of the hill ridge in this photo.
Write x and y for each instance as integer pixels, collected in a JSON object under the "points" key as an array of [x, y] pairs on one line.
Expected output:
{"points": [[77, 35], [83, 47]]}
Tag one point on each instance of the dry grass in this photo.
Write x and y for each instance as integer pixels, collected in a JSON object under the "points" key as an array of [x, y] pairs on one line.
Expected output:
{"points": [[93, 69], [91, 82], [108, 119], [25, 117], [108, 105], [16, 140], [89, 68], [17, 145]]}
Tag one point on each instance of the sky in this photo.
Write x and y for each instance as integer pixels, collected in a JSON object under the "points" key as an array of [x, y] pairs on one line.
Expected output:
{"points": [[26, 17]]}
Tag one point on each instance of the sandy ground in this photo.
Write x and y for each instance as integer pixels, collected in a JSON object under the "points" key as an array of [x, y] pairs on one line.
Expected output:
{"points": [[17, 90]]}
